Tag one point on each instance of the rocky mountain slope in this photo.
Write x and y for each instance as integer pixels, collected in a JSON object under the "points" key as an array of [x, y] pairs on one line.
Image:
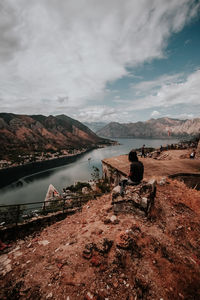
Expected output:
{"points": [[154, 128], [38, 132], [95, 126]]}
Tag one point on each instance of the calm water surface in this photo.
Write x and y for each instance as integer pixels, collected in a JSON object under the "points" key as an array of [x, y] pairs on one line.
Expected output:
{"points": [[34, 187]]}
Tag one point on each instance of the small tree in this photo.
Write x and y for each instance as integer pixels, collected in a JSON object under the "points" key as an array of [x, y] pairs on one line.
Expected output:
{"points": [[95, 173]]}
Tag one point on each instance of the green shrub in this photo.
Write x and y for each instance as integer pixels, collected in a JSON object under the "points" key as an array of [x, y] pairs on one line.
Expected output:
{"points": [[95, 173], [104, 186], [77, 188]]}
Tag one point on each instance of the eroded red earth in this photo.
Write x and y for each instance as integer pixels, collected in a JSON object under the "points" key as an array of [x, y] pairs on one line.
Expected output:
{"points": [[88, 256]]}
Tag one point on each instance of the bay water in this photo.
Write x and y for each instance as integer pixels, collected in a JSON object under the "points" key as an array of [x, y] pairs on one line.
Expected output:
{"points": [[33, 188]]}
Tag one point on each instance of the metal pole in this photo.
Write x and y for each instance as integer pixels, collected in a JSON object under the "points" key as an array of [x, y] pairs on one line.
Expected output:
{"points": [[63, 206], [44, 206]]}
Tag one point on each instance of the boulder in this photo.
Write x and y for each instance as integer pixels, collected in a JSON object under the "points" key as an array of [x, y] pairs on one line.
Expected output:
{"points": [[116, 190], [139, 196]]}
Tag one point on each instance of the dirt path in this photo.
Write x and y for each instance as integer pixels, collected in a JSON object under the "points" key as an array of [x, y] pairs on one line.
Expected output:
{"points": [[159, 168], [168, 163]]}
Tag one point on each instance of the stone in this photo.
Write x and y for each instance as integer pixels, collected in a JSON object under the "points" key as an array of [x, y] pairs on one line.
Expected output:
{"points": [[181, 296], [85, 190], [123, 240], [116, 190], [43, 243], [14, 250], [162, 181], [88, 251], [5, 265], [50, 295], [17, 254], [87, 254], [104, 246], [93, 185], [21, 242], [113, 218], [90, 296], [144, 202]]}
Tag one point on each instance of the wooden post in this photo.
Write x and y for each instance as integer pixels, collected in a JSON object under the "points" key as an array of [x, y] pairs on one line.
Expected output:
{"points": [[17, 214]]}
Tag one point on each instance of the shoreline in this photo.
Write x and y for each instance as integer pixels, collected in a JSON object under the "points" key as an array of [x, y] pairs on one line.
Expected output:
{"points": [[147, 138], [13, 174]]}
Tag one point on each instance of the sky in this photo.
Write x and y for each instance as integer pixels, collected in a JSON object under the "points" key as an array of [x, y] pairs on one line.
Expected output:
{"points": [[108, 60]]}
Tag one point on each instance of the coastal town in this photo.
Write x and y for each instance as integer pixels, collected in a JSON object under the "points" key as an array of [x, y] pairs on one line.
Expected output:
{"points": [[24, 159], [38, 157]]}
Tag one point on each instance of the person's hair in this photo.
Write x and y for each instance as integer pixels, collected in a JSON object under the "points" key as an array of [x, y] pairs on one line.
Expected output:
{"points": [[132, 156]]}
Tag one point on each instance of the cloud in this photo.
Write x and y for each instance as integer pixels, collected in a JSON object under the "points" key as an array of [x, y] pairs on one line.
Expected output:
{"points": [[155, 113], [183, 116], [187, 42], [9, 28], [71, 49], [63, 99], [93, 113], [146, 87], [185, 91]]}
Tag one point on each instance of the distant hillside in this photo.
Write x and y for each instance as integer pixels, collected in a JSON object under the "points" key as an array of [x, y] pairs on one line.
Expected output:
{"points": [[154, 128], [38, 132], [95, 126]]}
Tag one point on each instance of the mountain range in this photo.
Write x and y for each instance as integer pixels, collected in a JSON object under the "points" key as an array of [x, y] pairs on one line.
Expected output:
{"points": [[95, 126], [153, 128], [39, 133]]}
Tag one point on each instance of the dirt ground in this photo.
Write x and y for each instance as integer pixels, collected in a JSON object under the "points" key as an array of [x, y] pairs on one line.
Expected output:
{"points": [[96, 255], [167, 163]]}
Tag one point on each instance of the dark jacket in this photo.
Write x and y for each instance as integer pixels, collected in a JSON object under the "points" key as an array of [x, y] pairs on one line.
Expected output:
{"points": [[136, 171]]}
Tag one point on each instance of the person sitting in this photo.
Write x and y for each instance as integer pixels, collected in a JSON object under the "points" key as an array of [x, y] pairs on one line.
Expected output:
{"points": [[192, 155], [143, 151], [136, 171]]}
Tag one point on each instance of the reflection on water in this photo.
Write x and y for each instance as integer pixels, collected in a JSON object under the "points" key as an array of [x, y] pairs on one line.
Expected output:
{"points": [[39, 175], [33, 188]]}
